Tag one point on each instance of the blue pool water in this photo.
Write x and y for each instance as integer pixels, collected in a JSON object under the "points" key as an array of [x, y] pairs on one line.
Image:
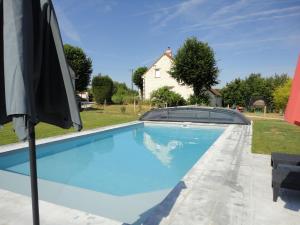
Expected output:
{"points": [[124, 161]]}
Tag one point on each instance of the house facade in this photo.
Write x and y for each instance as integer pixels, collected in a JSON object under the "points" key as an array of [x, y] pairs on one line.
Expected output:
{"points": [[157, 76]]}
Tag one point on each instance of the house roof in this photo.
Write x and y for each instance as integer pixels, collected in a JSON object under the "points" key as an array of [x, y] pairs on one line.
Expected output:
{"points": [[164, 54], [215, 92]]}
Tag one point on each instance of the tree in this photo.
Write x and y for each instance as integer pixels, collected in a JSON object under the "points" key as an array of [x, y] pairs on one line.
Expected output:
{"points": [[254, 88], [281, 95], [195, 65], [233, 93], [81, 65], [119, 86], [164, 96], [277, 80], [137, 77], [102, 88], [199, 100], [122, 94], [273, 83]]}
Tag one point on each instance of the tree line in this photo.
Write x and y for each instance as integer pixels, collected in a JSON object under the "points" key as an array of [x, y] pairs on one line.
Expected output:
{"points": [[244, 92], [194, 65]]}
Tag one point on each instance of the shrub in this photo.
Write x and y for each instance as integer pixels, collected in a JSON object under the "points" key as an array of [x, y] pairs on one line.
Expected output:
{"points": [[102, 88], [164, 96], [203, 100], [122, 94], [281, 95], [117, 99], [146, 102]]}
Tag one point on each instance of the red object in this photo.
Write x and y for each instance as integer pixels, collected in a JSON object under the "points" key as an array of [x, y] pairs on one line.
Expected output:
{"points": [[292, 112]]}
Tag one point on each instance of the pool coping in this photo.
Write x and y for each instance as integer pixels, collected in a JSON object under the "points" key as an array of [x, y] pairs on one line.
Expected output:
{"points": [[188, 183], [20, 145], [188, 176]]}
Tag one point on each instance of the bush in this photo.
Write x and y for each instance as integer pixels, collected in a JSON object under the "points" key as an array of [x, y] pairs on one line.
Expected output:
{"points": [[117, 99], [203, 100], [146, 102], [122, 94], [164, 96], [281, 95], [102, 88]]}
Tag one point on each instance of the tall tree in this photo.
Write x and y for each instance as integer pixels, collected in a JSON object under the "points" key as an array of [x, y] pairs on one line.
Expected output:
{"points": [[195, 65], [137, 77], [81, 65], [102, 88]]}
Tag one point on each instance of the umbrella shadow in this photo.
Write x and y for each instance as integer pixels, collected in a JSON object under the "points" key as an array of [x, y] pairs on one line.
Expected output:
{"points": [[154, 215]]}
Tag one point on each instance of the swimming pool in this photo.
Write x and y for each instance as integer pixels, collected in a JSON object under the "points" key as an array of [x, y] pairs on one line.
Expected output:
{"points": [[130, 161]]}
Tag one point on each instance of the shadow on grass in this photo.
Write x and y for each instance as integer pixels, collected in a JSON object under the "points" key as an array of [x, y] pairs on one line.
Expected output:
{"points": [[155, 214], [92, 109]]}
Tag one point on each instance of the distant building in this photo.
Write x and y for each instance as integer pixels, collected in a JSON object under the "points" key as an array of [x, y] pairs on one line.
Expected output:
{"points": [[157, 76], [84, 95]]}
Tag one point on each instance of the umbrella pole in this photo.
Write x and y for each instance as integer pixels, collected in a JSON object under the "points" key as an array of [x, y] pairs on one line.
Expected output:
{"points": [[33, 173]]}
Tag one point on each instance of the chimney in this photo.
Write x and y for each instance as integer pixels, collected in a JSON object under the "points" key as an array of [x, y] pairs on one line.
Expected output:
{"points": [[168, 52]]}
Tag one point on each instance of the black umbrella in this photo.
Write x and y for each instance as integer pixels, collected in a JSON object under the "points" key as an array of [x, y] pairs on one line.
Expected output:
{"points": [[35, 81]]}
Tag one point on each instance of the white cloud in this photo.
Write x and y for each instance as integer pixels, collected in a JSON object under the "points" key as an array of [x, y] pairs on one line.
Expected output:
{"points": [[204, 14], [161, 16], [225, 17], [256, 41]]}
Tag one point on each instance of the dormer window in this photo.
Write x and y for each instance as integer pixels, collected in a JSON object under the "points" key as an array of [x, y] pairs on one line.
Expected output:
{"points": [[157, 73]]}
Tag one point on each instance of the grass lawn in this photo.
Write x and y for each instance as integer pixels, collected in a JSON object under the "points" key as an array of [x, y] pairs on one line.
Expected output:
{"points": [[91, 119], [268, 135], [267, 115], [275, 136]]}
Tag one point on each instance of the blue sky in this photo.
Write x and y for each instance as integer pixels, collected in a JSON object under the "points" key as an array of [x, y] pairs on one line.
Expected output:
{"points": [[247, 36]]}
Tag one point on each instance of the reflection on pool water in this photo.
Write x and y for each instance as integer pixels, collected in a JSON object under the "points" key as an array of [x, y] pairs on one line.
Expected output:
{"points": [[136, 159]]}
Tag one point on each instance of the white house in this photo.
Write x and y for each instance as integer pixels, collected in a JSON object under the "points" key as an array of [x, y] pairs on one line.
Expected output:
{"points": [[157, 76]]}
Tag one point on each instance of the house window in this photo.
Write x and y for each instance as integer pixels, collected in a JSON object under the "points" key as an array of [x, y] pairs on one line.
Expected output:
{"points": [[157, 73]]}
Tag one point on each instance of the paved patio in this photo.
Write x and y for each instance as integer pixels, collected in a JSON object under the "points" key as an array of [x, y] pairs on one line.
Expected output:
{"points": [[228, 185]]}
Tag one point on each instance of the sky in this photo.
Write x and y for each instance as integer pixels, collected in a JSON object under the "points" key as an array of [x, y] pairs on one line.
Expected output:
{"points": [[247, 36]]}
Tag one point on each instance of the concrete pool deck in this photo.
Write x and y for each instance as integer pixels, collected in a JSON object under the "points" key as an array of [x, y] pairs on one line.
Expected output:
{"points": [[228, 185]]}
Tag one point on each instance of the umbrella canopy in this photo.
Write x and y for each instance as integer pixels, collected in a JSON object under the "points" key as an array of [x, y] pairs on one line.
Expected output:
{"points": [[35, 80]]}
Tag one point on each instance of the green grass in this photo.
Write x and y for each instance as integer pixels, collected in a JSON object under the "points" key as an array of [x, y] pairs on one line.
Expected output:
{"points": [[110, 115], [268, 135], [275, 136]]}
